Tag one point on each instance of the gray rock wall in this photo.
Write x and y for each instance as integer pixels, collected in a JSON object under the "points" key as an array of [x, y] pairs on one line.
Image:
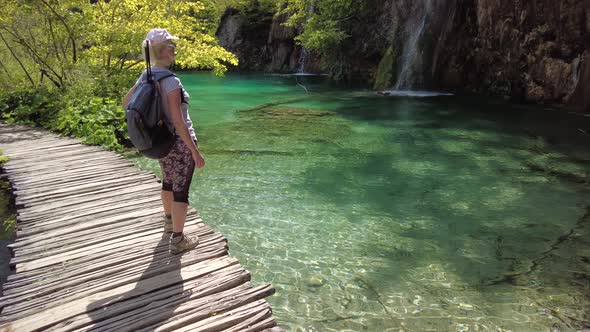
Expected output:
{"points": [[536, 50]]}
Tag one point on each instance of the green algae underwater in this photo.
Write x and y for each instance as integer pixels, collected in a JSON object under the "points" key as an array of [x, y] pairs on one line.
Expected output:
{"points": [[396, 213]]}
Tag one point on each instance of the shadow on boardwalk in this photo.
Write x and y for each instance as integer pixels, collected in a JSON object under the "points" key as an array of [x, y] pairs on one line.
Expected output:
{"points": [[146, 306], [91, 257]]}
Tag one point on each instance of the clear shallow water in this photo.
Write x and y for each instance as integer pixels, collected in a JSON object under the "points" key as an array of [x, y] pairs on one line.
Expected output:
{"points": [[373, 213]]}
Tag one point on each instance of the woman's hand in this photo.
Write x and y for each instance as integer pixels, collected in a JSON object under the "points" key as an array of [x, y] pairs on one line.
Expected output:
{"points": [[198, 159]]}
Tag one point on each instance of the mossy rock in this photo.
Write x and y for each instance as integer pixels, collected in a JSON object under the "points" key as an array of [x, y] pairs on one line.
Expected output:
{"points": [[385, 70], [293, 111], [280, 129]]}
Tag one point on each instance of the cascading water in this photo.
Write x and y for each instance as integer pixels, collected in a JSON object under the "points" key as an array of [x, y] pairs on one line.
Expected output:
{"points": [[409, 58], [302, 60], [425, 25], [303, 57]]}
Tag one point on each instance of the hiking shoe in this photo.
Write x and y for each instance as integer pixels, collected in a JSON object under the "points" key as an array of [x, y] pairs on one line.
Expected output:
{"points": [[183, 243], [167, 225]]}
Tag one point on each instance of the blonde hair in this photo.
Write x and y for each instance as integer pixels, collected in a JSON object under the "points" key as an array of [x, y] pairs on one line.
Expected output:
{"points": [[154, 50]]}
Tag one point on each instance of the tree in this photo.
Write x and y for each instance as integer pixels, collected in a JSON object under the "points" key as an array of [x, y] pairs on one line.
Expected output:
{"points": [[121, 25], [53, 40], [323, 22], [41, 36]]}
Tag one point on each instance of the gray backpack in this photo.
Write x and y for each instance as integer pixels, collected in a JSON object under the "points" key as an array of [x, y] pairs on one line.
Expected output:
{"points": [[147, 126]]}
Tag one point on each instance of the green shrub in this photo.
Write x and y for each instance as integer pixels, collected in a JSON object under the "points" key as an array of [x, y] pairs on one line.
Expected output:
{"points": [[89, 108], [30, 106], [98, 121], [7, 215]]}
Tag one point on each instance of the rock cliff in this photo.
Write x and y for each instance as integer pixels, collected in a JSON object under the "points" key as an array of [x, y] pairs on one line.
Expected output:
{"points": [[536, 50]]}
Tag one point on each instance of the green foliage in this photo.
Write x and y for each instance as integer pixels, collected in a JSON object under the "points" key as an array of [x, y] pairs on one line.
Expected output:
{"points": [[8, 226], [98, 121], [324, 21], [3, 159], [384, 71], [120, 26], [259, 15], [30, 106], [321, 36], [263, 5], [43, 41], [326, 24], [67, 63], [7, 215]]}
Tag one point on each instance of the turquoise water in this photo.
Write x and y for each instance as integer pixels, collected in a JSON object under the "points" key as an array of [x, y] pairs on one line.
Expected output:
{"points": [[396, 213]]}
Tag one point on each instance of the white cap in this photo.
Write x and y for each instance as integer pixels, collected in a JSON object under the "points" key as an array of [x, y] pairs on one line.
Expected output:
{"points": [[156, 36]]}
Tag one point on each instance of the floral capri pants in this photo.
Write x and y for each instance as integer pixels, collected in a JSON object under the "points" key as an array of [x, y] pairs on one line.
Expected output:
{"points": [[177, 171]]}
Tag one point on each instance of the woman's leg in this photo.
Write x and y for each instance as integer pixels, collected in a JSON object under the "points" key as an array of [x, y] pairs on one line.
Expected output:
{"points": [[167, 199], [180, 165], [179, 216], [166, 194]]}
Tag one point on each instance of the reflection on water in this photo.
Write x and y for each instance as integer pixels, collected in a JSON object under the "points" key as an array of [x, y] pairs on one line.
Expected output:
{"points": [[412, 93], [372, 213]]}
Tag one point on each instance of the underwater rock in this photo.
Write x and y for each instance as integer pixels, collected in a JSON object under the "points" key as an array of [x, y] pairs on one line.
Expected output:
{"points": [[465, 306], [315, 281], [294, 111]]}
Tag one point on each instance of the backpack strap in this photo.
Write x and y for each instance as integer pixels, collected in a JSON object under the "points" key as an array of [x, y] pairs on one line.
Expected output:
{"points": [[166, 75], [160, 76], [157, 83]]}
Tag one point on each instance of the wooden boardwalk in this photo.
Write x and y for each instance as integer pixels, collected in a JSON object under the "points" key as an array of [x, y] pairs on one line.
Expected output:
{"points": [[91, 254]]}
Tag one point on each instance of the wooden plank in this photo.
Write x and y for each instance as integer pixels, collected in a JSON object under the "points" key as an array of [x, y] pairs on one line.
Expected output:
{"points": [[213, 246], [92, 208], [88, 189], [230, 277], [56, 150], [40, 144], [91, 253], [99, 300], [95, 262], [76, 175], [34, 243], [38, 299], [98, 251], [84, 187], [67, 242], [39, 262], [12, 168], [56, 146], [87, 164], [50, 145], [231, 318], [73, 151], [261, 325], [61, 163], [50, 209], [90, 242], [112, 189], [173, 313], [72, 184], [32, 212], [67, 170], [89, 221], [48, 290]]}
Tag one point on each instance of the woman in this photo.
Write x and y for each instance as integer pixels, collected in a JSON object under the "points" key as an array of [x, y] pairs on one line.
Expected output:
{"points": [[178, 166]]}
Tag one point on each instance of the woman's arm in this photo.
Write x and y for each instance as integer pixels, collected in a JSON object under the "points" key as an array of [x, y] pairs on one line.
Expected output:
{"points": [[175, 110], [125, 100]]}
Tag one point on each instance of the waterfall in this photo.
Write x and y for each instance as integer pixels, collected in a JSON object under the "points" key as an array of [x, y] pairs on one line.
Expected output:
{"points": [[302, 60], [411, 63], [304, 55]]}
